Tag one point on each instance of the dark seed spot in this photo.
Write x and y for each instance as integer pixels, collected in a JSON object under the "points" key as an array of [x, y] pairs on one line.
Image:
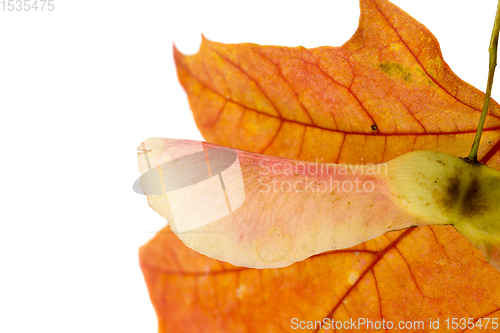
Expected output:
{"points": [[374, 127], [453, 192]]}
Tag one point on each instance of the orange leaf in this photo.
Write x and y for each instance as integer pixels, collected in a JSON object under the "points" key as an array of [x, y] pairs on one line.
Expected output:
{"points": [[387, 91], [323, 102]]}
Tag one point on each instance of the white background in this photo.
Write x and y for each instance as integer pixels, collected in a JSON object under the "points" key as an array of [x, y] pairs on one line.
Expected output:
{"points": [[82, 86]]}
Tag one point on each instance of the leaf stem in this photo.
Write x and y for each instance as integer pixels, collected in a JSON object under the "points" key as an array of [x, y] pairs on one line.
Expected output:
{"points": [[493, 63]]}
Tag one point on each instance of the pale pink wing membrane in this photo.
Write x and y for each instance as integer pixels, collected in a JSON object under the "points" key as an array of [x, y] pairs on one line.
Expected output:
{"points": [[260, 211]]}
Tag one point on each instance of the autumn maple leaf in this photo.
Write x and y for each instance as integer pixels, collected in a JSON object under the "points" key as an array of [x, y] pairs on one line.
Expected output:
{"points": [[385, 92]]}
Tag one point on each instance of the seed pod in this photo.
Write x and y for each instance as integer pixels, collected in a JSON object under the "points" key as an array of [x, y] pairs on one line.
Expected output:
{"points": [[261, 211]]}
